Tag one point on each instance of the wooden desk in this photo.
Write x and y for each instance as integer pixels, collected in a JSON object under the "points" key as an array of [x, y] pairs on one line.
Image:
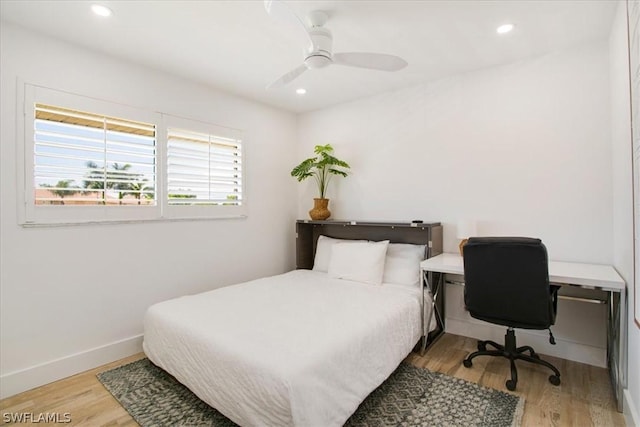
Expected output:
{"points": [[589, 276]]}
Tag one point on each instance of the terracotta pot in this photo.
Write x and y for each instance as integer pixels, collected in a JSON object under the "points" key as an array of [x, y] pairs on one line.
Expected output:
{"points": [[320, 209]]}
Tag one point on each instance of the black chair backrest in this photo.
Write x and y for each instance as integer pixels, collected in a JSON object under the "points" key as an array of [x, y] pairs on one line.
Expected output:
{"points": [[507, 282]]}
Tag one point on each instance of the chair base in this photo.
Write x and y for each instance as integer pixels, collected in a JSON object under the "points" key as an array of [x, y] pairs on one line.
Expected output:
{"points": [[511, 352]]}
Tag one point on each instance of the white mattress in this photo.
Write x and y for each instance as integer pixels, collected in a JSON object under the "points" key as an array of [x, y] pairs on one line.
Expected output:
{"points": [[295, 349]]}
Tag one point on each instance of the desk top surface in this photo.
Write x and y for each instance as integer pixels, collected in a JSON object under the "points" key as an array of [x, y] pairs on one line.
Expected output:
{"points": [[571, 273]]}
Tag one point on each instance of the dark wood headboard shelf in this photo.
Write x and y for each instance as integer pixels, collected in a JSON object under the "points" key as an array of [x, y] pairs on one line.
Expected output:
{"points": [[307, 233]]}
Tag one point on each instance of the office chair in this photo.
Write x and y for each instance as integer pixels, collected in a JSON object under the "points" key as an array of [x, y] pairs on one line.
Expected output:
{"points": [[507, 283]]}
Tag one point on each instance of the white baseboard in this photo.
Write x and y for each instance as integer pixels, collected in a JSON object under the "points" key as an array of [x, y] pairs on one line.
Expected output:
{"points": [[568, 350], [631, 415], [44, 373]]}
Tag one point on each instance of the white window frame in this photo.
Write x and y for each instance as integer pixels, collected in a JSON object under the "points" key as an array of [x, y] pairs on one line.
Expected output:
{"points": [[30, 214]]}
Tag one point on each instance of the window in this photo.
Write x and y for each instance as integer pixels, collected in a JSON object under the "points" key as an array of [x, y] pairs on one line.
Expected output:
{"points": [[203, 169], [87, 160]]}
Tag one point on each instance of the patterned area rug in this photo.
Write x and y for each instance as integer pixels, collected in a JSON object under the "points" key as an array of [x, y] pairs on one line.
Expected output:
{"points": [[409, 397]]}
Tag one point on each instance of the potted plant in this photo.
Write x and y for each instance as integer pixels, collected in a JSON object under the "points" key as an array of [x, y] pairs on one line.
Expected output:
{"points": [[322, 167]]}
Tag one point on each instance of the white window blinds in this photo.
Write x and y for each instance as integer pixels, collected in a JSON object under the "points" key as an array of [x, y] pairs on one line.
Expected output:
{"points": [[203, 169], [84, 158]]}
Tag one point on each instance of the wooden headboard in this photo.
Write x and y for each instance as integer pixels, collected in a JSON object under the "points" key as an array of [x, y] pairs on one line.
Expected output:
{"points": [[307, 233]]}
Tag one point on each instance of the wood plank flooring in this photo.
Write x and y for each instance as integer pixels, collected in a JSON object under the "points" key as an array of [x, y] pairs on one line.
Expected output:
{"points": [[583, 399]]}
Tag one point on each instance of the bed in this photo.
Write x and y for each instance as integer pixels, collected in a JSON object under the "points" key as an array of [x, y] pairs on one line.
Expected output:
{"points": [[303, 348]]}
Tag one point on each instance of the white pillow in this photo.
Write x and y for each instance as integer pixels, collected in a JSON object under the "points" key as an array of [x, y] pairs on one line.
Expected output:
{"points": [[323, 252], [402, 265], [358, 261]]}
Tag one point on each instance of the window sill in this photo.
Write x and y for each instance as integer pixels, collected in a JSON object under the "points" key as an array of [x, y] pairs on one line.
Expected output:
{"points": [[129, 221]]}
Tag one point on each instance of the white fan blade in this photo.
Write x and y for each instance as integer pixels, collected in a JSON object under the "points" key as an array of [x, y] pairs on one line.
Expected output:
{"points": [[288, 78], [280, 11], [376, 61]]}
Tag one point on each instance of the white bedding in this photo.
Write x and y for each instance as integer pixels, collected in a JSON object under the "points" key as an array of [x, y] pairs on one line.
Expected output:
{"points": [[295, 349]]}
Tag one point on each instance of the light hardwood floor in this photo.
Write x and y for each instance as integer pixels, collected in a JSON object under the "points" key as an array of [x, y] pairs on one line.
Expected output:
{"points": [[584, 398]]}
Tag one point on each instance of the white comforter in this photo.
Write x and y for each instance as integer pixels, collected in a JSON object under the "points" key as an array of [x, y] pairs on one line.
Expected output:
{"points": [[295, 349]]}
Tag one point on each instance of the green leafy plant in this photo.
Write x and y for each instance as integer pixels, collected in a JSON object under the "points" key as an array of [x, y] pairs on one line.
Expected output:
{"points": [[322, 167]]}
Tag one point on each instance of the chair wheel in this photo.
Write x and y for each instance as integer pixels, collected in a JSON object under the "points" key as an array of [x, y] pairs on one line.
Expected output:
{"points": [[482, 346], [511, 384], [467, 363], [554, 379]]}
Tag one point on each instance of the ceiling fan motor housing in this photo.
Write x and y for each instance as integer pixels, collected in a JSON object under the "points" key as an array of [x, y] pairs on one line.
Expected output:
{"points": [[320, 54]]}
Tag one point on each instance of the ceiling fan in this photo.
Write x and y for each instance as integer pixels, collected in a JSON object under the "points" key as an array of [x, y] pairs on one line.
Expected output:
{"points": [[318, 53]]}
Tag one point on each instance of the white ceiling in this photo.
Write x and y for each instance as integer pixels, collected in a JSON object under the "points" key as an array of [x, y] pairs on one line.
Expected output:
{"points": [[237, 47]]}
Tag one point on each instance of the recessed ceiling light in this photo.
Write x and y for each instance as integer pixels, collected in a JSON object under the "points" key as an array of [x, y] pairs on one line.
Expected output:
{"points": [[503, 29], [100, 10], [301, 91]]}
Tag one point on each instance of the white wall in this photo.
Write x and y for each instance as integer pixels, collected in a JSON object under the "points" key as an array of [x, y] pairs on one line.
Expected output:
{"points": [[74, 297], [622, 198], [523, 149]]}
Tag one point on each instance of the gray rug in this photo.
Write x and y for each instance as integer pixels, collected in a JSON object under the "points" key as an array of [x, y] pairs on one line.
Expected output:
{"points": [[409, 397]]}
